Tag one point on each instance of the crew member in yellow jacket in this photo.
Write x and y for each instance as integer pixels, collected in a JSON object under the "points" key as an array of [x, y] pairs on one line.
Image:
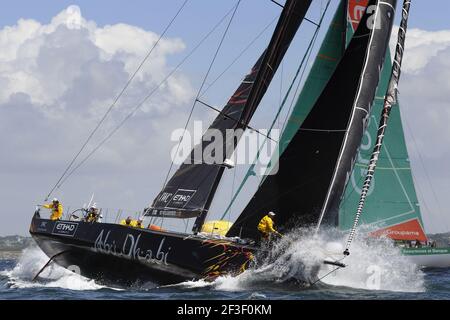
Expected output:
{"points": [[266, 226], [138, 223], [127, 222], [57, 209], [132, 223]]}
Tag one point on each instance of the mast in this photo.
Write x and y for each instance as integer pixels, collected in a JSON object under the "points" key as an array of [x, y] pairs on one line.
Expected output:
{"points": [[191, 189], [328, 138]]}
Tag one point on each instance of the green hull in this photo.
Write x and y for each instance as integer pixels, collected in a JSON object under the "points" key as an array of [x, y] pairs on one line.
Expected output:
{"points": [[425, 251], [428, 257]]}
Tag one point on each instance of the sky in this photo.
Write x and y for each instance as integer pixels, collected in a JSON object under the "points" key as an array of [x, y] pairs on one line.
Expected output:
{"points": [[63, 62]]}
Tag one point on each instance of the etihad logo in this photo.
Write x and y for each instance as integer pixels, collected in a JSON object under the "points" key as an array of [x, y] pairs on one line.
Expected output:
{"points": [[65, 228], [178, 200]]}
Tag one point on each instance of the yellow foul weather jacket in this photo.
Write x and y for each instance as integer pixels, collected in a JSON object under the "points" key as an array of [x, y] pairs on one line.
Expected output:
{"points": [[124, 223], [133, 223], [266, 225], [57, 211]]}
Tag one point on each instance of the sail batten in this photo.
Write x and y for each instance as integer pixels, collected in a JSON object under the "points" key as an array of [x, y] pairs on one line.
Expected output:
{"points": [[202, 179]]}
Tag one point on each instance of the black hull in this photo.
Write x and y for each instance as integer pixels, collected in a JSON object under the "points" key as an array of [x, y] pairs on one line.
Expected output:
{"points": [[121, 255]]}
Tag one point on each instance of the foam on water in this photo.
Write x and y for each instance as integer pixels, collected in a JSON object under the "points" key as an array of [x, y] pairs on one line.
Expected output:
{"points": [[376, 264], [291, 265], [297, 260], [32, 260]]}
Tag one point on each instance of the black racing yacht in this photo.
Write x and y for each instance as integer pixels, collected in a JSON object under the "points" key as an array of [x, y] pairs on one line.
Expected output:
{"points": [[312, 172]]}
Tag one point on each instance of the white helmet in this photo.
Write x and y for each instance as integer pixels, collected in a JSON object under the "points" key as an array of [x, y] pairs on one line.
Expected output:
{"points": [[94, 206], [55, 200], [272, 214]]}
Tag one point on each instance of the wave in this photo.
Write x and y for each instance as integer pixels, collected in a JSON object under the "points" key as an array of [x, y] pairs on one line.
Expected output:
{"points": [[31, 261], [296, 263]]}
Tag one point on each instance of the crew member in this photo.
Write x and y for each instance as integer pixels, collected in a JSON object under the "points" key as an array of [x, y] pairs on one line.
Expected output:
{"points": [[92, 214], [138, 223], [57, 209], [266, 226], [127, 222]]}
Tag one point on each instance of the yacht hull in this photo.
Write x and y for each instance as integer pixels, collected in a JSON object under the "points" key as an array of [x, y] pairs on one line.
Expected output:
{"points": [[429, 257], [116, 254]]}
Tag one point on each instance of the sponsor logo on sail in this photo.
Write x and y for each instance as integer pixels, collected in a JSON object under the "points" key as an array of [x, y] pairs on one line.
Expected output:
{"points": [[181, 198], [356, 9]]}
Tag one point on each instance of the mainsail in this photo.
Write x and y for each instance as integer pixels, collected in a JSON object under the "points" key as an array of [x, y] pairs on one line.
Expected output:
{"points": [[191, 189], [315, 165]]}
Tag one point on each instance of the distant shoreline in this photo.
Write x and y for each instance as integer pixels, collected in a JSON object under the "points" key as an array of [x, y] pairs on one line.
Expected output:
{"points": [[10, 254]]}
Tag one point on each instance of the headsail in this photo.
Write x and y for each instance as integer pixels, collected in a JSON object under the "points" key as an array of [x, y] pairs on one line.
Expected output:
{"points": [[391, 207], [314, 166], [390, 99], [191, 189]]}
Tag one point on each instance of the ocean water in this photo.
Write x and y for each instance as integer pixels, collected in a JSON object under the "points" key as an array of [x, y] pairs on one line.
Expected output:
{"points": [[375, 270]]}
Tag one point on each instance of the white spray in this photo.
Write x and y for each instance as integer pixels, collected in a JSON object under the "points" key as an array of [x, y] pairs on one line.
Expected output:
{"points": [[297, 260], [54, 276]]}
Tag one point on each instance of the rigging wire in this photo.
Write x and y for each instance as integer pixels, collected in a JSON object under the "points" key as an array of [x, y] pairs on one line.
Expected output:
{"points": [[280, 99], [127, 84], [299, 83], [201, 87], [140, 104], [200, 90], [238, 56]]}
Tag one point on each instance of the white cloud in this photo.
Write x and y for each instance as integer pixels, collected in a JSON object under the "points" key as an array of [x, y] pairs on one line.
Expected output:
{"points": [[425, 105], [57, 80], [45, 61], [422, 46]]}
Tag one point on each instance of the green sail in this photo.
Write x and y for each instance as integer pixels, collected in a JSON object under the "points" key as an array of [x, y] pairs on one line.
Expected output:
{"points": [[392, 199]]}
